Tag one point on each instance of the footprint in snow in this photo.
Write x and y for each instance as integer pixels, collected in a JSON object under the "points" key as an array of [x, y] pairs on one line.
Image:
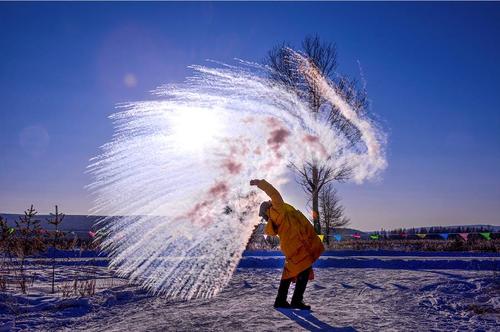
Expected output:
{"points": [[346, 286], [400, 287], [372, 286]]}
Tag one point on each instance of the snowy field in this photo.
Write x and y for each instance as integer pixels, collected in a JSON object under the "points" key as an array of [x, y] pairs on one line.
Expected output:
{"points": [[353, 291]]}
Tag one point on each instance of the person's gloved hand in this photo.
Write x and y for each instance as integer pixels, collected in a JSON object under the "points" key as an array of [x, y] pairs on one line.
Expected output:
{"points": [[254, 182]]}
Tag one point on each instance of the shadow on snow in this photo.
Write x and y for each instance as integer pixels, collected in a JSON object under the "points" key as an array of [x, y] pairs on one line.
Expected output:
{"points": [[309, 322]]}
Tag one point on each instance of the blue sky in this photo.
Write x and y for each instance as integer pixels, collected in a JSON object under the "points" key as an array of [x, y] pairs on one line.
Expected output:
{"points": [[431, 69]]}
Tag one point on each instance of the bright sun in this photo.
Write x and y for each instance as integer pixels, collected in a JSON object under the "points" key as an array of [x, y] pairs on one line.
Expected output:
{"points": [[195, 128]]}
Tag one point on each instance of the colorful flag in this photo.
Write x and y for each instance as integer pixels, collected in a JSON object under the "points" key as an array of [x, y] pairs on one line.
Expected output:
{"points": [[374, 236], [444, 236], [356, 236], [338, 237], [321, 236], [464, 236], [486, 235], [420, 235]]}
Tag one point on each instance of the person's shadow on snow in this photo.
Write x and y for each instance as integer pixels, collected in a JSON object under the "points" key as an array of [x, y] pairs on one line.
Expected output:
{"points": [[307, 320]]}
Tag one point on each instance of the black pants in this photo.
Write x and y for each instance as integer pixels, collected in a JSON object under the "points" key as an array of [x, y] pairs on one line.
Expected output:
{"points": [[300, 287]]}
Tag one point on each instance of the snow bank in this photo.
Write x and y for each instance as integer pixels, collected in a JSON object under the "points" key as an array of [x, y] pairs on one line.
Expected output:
{"points": [[409, 263]]}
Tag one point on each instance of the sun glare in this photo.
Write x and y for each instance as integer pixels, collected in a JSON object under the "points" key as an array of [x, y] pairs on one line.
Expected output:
{"points": [[195, 128]]}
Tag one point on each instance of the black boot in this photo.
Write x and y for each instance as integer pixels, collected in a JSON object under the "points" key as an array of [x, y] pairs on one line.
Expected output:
{"points": [[300, 305], [300, 287], [280, 301]]}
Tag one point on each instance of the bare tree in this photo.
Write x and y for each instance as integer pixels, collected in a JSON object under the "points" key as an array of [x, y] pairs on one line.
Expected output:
{"points": [[55, 219], [331, 210], [28, 241], [315, 174]]}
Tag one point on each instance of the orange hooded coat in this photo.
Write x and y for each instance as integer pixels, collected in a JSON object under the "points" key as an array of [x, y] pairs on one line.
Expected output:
{"points": [[298, 240]]}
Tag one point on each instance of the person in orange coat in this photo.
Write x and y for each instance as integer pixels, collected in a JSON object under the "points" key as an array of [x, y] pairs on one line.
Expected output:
{"points": [[298, 241]]}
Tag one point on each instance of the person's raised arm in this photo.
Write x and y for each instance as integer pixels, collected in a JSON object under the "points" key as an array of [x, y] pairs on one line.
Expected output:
{"points": [[274, 194]]}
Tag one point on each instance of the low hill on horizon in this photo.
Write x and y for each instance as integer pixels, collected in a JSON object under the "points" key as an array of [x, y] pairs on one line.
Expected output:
{"points": [[70, 222]]}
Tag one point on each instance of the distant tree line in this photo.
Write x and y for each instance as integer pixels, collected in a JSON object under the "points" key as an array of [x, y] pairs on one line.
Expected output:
{"points": [[434, 230]]}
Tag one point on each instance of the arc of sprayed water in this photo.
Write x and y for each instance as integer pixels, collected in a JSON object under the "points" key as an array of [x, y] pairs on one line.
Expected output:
{"points": [[172, 237], [368, 132]]}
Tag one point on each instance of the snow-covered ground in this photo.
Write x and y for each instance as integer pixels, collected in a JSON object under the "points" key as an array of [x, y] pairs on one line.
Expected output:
{"points": [[343, 299]]}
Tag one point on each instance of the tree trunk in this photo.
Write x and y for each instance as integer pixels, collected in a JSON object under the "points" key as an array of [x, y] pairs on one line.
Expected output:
{"points": [[315, 200], [327, 233]]}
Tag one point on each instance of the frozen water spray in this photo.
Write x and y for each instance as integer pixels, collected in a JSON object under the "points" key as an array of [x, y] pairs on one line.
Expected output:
{"points": [[174, 180]]}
